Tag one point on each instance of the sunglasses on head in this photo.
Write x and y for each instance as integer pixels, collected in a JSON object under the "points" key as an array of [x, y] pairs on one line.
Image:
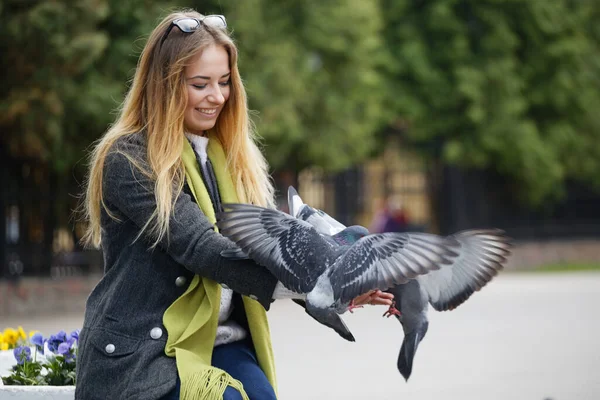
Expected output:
{"points": [[189, 25]]}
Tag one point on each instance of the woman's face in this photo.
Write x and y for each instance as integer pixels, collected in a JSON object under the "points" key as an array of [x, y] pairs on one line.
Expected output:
{"points": [[207, 82]]}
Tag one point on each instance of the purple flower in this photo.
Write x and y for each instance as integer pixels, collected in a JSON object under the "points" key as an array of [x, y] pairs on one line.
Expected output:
{"points": [[62, 336], [64, 348], [53, 343], [75, 335], [55, 340], [38, 340], [22, 354]]}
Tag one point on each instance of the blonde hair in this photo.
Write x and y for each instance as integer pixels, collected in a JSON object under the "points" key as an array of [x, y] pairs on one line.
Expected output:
{"points": [[155, 105]]}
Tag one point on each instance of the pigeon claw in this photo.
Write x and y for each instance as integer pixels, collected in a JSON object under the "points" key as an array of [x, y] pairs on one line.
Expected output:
{"points": [[352, 306], [392, 311]]}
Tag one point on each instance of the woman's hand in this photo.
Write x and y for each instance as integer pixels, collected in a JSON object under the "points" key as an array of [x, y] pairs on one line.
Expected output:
{"points": [[373, 297]]}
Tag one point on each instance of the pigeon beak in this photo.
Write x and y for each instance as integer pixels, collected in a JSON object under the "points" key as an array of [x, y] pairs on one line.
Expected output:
{"points": [[409, 349]]}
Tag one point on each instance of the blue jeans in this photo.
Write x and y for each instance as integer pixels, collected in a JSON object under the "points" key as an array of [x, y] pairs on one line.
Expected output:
{"points": [[238, 359]]}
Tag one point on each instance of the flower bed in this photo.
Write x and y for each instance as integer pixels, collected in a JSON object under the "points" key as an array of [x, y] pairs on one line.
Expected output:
{"points": [[38, 361]]}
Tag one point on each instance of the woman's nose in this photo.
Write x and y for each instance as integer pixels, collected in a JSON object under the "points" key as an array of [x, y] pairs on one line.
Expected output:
{"points": [[216, 96]]}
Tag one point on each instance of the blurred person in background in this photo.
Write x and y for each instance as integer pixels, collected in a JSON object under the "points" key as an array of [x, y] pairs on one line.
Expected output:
{"points": [[171, 318], [391, 217]]}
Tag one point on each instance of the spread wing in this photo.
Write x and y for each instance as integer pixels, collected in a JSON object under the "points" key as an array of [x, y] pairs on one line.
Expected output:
{"points": [[482, 254], [323, 222], [380, 261], [289, 248]]}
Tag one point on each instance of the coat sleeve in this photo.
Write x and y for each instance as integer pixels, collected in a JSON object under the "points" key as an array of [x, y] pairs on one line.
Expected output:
{"points": [[191, 240]]}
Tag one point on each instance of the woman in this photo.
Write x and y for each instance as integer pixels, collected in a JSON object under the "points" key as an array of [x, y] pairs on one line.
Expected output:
{"points": [[171, 318]]}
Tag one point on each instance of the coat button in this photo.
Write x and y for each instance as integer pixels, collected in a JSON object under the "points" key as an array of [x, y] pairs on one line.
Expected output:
{"points": [[180, 281], [156, 333], [253, 297], [110, 348]]}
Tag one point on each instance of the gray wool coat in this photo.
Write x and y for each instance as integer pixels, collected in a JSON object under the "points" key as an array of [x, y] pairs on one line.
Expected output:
{"points": [[121, 349]]}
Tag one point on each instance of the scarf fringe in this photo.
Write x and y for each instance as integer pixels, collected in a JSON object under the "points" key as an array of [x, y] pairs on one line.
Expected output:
{"points": [[210, 384]]}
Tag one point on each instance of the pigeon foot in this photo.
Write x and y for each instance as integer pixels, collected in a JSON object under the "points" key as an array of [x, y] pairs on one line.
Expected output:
{"points": [[352, 306], [392, 311]]}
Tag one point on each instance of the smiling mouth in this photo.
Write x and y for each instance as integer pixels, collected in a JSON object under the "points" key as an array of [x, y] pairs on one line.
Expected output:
{"points": [[209, 112]]}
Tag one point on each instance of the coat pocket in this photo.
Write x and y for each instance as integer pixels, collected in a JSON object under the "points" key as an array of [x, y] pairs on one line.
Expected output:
{"points": [[112, 344], [106, 363]]}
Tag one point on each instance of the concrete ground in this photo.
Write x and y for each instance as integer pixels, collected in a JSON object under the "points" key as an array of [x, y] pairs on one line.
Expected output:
{"points": [[525, 336]]}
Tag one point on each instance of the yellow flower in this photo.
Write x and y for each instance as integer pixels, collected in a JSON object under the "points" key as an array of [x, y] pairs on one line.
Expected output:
{"points": [[1, 338], [22, 333], [10, 336], [3, 346]]}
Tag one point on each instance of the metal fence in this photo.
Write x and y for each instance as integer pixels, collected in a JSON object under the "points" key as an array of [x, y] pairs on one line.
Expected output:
{"points": [[433, 197]]}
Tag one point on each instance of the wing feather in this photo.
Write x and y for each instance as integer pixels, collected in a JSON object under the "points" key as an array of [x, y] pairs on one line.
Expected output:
{"points": [[289, 248], [482, 255], [380, 261]]}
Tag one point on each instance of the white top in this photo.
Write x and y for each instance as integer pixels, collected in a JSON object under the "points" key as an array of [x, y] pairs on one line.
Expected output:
{"points": [[200, 144]]}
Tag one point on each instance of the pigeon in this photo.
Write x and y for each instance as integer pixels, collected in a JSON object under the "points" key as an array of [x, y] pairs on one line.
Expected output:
{"points": [[446, 289], [323, 223], [329, 273], [482, 255]]}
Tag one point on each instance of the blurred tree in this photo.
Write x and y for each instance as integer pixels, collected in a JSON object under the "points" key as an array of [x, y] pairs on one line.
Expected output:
{"points": [[508, 84], [66, 67], [511, 84], [311, 69], [47, 48]]}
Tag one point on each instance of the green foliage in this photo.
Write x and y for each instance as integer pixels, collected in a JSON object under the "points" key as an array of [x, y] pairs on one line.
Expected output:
{"points": [[60, 372], [511, 85], [566, 267], [57, 372], [311, 69], [127, 25], [70, 62], [26, 374], [505, 84], [49, 46]]}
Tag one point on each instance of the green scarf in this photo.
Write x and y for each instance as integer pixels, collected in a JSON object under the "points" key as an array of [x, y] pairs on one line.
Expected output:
{"points": [[191, 321]]}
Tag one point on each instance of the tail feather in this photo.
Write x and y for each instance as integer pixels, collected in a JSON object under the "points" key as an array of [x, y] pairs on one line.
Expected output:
{"points": [[409, 349]]}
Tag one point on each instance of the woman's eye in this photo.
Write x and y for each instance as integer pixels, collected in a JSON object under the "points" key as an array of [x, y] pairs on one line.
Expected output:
{"points": [[199, 86], [225, 83]]}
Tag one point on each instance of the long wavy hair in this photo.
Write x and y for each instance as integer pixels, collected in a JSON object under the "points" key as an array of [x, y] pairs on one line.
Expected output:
{"points": [[155, 105]]}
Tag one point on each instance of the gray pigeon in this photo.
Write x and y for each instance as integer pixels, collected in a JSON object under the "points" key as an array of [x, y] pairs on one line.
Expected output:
{"points": [[447, 288], [331, 274], [323, 222], [482, 254]]}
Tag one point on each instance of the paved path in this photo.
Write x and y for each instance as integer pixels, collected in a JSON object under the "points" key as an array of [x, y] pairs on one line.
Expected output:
{"points": [[525, 336]]}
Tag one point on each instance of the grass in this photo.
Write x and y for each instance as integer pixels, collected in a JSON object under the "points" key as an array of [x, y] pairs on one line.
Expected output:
{"points": [[567, 267]]}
